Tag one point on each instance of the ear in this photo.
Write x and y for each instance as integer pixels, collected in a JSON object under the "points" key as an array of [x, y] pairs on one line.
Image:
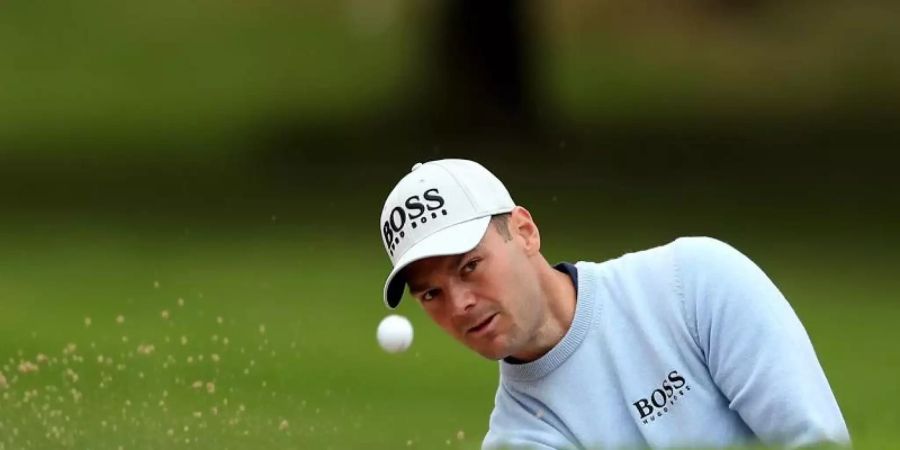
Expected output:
{"points": [[523, 227]]}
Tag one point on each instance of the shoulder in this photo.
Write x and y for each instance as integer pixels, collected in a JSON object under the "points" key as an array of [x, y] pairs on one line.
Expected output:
{"points": [[685, 257], [687, 246], [707, 268], [706, 253], [647, 261], [701, 244]]}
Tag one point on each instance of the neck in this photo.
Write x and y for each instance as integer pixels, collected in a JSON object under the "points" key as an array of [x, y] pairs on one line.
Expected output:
{"points": [[559, 297]]}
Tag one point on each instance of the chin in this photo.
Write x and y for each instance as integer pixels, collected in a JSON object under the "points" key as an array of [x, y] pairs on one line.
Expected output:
{"points": [[495, 352], [493, 356]]}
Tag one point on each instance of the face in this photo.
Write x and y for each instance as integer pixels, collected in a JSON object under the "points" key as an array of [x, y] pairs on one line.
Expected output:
{"points": [[488, 298]]}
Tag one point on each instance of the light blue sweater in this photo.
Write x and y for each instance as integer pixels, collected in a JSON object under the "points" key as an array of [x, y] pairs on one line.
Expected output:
{"points": [[685, 345]]}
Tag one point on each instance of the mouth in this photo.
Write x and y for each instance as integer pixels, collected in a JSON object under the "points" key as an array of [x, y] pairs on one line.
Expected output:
{"points": [[482, 326]]}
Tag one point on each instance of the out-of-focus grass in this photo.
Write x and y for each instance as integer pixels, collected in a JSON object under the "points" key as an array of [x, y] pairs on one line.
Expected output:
{"points": [[299, 293], [198, 76], [315, 365], [191, 71], [299, 303], [687, 62]]}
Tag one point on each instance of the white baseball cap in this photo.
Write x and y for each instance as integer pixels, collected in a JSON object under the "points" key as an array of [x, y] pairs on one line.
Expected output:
{"points": [[440, 208]]}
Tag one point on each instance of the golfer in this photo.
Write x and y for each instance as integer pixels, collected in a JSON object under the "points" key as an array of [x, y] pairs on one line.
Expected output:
{"points": [[684, 345]]}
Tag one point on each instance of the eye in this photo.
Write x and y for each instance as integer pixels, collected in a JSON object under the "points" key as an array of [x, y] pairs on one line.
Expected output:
{"points": [[429, 295], [471, 265]]}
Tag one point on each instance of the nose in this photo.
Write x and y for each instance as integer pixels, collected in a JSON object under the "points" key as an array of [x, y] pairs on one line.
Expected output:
{"points": [[462, 301]]}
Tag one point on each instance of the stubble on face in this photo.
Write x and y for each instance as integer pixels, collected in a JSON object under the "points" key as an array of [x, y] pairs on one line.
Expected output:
{"points": [[510, 282], [501, 286]]}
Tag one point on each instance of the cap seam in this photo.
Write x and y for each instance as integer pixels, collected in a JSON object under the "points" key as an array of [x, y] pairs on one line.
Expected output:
{"points": [[464, 187], [475, 203], [469, 197]]}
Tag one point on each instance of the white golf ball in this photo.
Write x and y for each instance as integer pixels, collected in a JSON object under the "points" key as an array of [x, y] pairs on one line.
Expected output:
{"points": [[395, 333]]}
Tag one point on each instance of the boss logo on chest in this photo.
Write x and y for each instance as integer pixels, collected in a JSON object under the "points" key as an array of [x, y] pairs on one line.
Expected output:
{"points": [[662, 399], [415, 211]]}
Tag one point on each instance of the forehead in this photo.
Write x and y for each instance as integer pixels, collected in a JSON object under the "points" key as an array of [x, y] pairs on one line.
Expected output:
{"points": [[421, 270], [425, 268]]}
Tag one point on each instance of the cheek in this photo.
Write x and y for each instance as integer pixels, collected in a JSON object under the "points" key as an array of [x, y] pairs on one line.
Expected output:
{"points": [[520, 297], [502, 279], [513, 282], [441, 318]]}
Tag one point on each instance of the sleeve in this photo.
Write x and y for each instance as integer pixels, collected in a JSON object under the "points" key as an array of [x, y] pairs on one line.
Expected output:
{"points": [[513, 426], [756, 349]]}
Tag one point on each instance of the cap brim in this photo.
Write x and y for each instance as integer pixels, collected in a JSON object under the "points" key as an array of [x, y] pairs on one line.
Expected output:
{"points": [[452, 240]]}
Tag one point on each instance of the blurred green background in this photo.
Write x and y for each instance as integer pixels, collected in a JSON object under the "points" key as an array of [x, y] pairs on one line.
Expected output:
{"points": [[205, 178]]}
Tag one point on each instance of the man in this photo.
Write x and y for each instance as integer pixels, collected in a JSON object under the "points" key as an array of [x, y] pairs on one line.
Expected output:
{"points": [[684, 345]]}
